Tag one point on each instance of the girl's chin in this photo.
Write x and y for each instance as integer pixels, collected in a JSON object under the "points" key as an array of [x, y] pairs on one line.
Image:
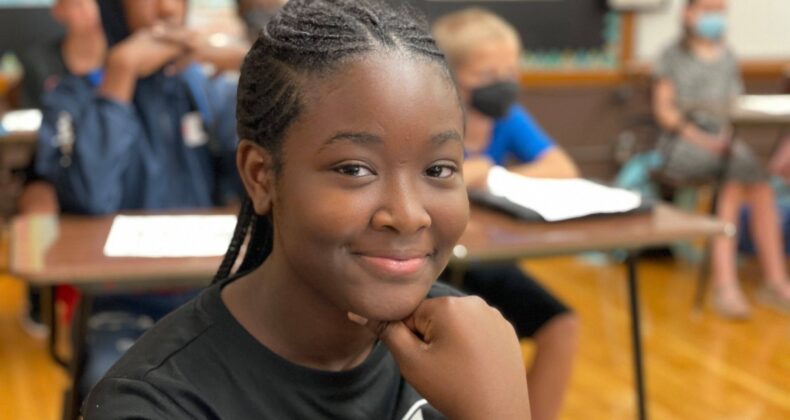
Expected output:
{"points": [[391, 306]]}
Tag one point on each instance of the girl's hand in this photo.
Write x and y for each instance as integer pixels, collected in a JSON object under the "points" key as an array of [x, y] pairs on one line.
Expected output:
{"points": [[137, 56], [199, 49], [462, 356], [717, 145], [144, 54], [80, 17], [84, 46]]}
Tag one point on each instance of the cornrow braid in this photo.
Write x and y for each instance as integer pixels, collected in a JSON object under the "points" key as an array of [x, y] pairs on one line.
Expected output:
{"points": [[309, 37]]}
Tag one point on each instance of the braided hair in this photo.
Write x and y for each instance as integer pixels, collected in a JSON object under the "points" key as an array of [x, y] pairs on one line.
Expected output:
{"points": [[308, 37]]}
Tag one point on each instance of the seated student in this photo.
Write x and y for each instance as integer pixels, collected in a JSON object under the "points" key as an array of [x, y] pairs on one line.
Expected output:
{"points": [[483, 52], [79, 53], [696, 77], [138, 139], [351, 157]]}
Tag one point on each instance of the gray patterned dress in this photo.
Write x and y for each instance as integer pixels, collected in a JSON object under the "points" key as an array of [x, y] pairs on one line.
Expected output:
{"points": [[703, 93]]}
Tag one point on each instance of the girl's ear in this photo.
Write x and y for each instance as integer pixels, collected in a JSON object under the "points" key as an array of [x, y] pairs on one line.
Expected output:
{"points": [[256, 168]]}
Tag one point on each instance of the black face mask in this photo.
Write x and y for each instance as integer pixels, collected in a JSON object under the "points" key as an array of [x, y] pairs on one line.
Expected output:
{"points": [[495, 99]]}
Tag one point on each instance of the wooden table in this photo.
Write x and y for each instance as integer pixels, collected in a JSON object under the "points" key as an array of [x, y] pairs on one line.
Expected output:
{"points": [[48, 252]]}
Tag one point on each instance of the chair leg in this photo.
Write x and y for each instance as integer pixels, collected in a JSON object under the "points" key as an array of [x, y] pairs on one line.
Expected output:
{"points": [[703, 276], [687, 199]]}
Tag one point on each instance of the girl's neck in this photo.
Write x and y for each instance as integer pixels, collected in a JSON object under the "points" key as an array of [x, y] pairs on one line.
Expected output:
{"points": [[293, 320]]}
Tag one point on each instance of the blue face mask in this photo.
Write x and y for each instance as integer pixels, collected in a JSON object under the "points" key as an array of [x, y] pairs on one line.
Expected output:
{"points": [[711, 25]]}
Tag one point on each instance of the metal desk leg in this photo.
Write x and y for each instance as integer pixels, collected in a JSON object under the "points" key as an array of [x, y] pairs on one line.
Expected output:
{"points": [[636, 335], [73, 400], [50, 298]]}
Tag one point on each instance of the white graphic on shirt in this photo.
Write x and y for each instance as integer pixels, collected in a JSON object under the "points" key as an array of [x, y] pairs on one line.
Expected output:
{"points": [[414, 412], [64, 138]]}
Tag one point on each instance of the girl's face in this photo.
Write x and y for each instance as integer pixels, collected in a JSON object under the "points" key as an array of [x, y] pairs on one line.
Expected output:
{"points": [[370, 199], [703, 9], [147, 13]]}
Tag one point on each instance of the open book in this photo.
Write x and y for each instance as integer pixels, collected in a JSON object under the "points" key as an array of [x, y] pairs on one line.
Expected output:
{"points": [[555, 199]]}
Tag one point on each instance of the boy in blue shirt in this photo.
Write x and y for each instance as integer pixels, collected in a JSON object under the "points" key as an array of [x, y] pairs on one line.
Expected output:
{"points": [[483, 52]]}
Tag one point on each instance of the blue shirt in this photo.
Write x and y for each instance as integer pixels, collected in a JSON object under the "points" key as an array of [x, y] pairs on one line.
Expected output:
{"points": [[517, 137]]}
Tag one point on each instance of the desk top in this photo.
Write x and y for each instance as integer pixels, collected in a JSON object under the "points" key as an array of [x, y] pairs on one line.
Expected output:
{"points": [[46, 251], [761, 109], [492, 236]]}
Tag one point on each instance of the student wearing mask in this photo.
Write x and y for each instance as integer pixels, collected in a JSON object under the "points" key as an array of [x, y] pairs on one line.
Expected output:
{"points": [[696, 79], [483, 52], [351, 157], [141, 138]]}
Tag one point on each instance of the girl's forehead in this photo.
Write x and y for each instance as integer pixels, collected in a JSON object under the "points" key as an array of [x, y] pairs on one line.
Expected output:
{"points": [[388, 93], [380, 78]]}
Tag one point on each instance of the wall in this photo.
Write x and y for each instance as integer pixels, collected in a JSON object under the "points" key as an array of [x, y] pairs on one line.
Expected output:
{"points": [[758, 29]]}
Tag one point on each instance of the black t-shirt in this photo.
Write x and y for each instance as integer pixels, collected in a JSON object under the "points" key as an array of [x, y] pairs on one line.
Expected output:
{"points": [[200, 363]]}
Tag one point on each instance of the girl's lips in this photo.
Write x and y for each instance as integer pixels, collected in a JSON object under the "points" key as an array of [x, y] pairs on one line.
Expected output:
{"points": [[394, 266]]}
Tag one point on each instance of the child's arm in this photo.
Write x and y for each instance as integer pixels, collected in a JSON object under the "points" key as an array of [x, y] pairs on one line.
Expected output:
{"points": [[138, 56], [462, 356], [670, 118], [553, 163], [84, 46]]}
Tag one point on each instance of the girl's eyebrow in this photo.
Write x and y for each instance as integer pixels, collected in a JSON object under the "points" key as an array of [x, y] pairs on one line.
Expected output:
{"points": [[360, 137], [444, 136], [357, 137]]}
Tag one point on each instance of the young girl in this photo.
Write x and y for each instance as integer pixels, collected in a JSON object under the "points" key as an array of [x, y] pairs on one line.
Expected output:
{"points": [[696, 80], [351, 156]]}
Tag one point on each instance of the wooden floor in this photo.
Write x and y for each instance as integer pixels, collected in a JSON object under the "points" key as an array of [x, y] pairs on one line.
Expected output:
{"points": [[698, 367]]}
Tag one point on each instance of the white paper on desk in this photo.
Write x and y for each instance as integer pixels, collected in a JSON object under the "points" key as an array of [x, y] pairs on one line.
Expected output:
{"points": [[561, 199], [169, 236], [766, 104], [22, 120]]}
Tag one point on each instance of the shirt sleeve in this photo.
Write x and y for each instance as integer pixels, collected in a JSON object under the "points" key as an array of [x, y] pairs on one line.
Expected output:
{"points": [[84, 146], [527, 140], [127, 399], [736, 82], [664, 66]]}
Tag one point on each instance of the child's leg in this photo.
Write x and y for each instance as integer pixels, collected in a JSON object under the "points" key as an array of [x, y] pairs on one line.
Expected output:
{"points": [[535, 314], [550, 372], [764, 222], [728, 297]]}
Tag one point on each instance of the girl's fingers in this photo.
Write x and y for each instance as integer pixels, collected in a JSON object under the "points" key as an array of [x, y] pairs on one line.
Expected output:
{"points": [[403, 343]]}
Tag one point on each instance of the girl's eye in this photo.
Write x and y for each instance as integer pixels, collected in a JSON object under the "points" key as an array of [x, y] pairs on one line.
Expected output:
{"points": [[440, 171], [353, 170]]}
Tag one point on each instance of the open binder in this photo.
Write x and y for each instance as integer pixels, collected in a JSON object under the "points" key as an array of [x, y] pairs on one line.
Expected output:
{"points": [[554, 200]]}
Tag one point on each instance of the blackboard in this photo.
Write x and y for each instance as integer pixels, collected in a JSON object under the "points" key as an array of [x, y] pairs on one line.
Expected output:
{"points": [[542, 24], [22, 26]]}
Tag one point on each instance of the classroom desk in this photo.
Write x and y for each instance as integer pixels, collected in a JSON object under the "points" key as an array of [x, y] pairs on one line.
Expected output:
{"points": [[47, 252], [741, 114]]}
